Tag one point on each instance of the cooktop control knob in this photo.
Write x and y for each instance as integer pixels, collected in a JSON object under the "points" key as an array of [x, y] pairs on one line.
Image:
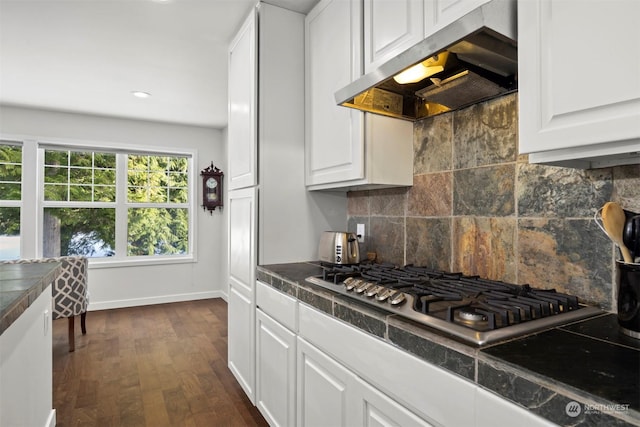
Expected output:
{"points": [[397, 298]]}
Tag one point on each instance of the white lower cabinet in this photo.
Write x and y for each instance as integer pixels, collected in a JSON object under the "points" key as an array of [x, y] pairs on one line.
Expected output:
{"points": [[397, 374], [241, 338], [492, 410], [315, 370], [373, 408], [332, 395], [275, 371], [323, 388], [26, 367]]}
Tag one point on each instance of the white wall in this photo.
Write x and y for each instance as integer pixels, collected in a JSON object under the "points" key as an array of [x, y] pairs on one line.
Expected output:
{"points": [[112, 287]]}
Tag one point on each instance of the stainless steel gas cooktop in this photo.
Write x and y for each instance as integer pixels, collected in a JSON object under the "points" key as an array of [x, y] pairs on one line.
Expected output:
{"points": [[477, 310]]}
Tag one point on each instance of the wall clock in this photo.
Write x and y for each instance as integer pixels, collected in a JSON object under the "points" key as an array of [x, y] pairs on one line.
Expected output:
{"points": [[212, 196]]}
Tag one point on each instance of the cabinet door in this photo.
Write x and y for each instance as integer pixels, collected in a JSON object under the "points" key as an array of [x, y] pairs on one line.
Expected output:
{"points": [[242, 135], [275, 371], [241, 297], [374, 409], [334, 148], [579, 71], [241, 339], [492, 410], [390, 27], [440, 13], [322, 395], [242, 238]]}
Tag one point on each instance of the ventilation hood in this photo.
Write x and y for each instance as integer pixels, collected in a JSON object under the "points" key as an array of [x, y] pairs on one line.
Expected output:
{"points": [[471, 60]]}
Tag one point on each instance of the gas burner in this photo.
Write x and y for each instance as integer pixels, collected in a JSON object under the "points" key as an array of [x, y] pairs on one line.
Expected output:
{"points": [[471, 316], [471, 308]]}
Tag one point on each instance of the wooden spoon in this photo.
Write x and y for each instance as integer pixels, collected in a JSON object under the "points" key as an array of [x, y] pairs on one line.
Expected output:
{"points": [[613, 220]]}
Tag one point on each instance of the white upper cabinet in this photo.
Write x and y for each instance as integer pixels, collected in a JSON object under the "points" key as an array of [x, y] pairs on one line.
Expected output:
{"points": [[390, 27], [334, 146], [242, 138], [344, 150], [440, 13], [579, 82]]}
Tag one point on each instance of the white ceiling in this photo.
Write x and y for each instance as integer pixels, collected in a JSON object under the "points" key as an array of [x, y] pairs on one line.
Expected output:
{"points": [[88, 55]]}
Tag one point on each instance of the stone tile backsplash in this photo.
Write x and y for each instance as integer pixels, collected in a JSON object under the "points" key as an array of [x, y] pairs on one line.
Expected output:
{"points": [[479, 208]]}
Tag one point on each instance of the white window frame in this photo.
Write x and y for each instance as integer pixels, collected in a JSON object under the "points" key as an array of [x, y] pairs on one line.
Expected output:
{"points": [[121, 205], [17, 203]]}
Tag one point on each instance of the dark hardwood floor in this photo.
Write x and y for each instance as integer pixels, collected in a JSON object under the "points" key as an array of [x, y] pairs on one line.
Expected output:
{"points": [[161, 365]]}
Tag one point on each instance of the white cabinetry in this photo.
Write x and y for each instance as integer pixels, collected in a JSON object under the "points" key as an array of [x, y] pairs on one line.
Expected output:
{"points": [[323, 386], [492, 410], [332, 395], [241, 297], [390, 27], [333, 57], [276, 355], [391, 372], [276, 371], [440, 13], [271, 216], [242, 138], [579, 84], [344, 147], [373, 408], [26, 367]]}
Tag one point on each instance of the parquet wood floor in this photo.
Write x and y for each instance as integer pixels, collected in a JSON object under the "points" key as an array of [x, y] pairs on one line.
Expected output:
{"points": [[160, 365]]}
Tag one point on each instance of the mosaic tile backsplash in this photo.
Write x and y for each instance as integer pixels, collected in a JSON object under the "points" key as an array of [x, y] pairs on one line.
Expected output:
{"points": [[478, 207]]}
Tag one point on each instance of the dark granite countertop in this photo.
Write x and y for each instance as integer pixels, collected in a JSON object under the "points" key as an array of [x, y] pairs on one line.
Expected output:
{"points": [[586, 373], [20, 285]]}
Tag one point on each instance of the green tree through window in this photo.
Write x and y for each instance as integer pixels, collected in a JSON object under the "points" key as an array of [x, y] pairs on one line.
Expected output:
{"points": [[81, 209], [10, 198]]}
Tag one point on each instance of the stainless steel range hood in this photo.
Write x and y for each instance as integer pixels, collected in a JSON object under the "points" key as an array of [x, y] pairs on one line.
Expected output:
{"points": [[479, 57]]}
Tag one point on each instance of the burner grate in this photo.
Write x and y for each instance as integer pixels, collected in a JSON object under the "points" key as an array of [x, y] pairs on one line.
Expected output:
{"points": [[470, 307]]}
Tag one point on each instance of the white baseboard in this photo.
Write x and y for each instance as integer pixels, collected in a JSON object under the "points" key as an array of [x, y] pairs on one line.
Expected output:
{"points": [[163, 299], [51, 421]]}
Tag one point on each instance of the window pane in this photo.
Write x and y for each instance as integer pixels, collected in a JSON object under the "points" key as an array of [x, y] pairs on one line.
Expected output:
{"points": [[178, 195], [56, 158], [10, 172], [78, 158], [79, 231], [77, 173], [56, 174], [10, 191], [80, 176], [156, 231], [57, 193], [9, 233], [104, 160], [104, 176], [80, 193], [102, 193], [150, 178]]}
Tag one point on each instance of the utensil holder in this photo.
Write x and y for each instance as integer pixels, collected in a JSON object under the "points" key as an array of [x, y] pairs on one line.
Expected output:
{"points": [[628, 283], [631, 232]]}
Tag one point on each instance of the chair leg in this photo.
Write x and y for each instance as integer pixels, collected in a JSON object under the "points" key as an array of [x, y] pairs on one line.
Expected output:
{"points": [[83, 325], [72, 340]]}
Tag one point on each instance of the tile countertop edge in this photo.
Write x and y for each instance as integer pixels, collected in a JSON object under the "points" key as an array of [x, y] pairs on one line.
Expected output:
{"points": [[20, 301], [539, 394]]}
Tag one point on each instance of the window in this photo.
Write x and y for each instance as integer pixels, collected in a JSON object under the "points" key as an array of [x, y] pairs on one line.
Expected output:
{"points": [[157, 216], [120, 205], [10, 199]]}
